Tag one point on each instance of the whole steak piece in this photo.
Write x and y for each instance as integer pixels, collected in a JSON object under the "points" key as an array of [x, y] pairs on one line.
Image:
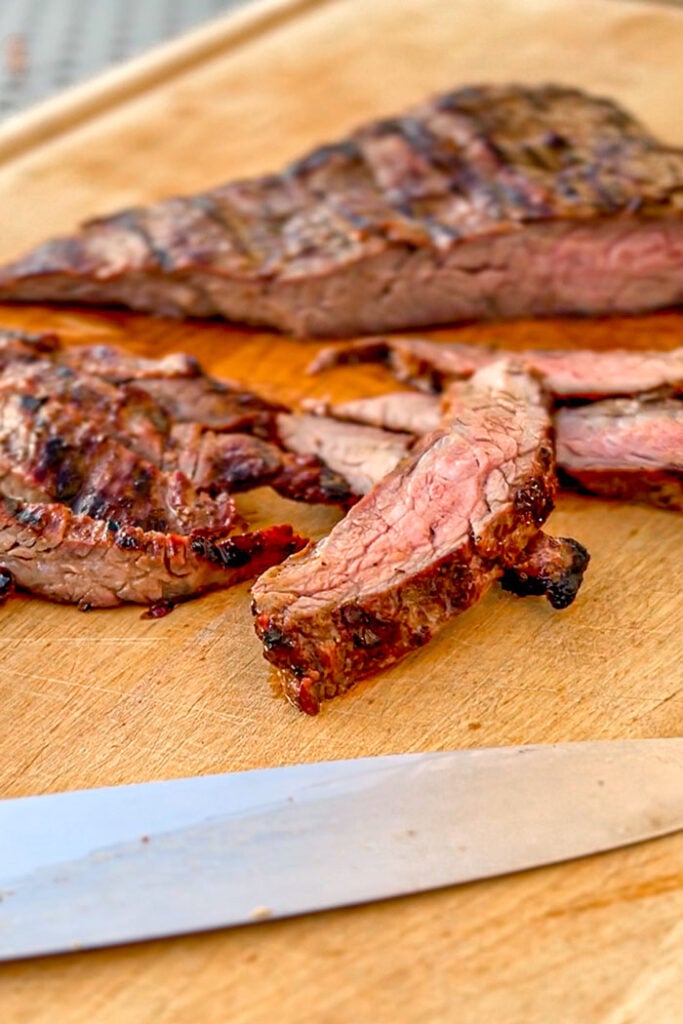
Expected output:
{"points": [[424, 544], [492, 201]]}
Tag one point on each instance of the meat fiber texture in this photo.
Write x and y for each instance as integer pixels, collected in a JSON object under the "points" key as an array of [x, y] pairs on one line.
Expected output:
{"points": [[424, 544], [566, 374], [116, 475], [490, 201], [627, 448], [630, 449]]}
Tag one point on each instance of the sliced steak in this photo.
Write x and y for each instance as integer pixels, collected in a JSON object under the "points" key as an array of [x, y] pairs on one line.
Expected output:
{"points": [[60, 404], [486, 202], [180, 388], [424, 544], [218, 462], [362, 455], [631, 449], [50, 551], [412, 412], [570, 374], [72, 439], [625, 448], [110, 493]]}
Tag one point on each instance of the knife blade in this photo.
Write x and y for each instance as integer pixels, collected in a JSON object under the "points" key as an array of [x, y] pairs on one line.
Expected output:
{"points": [[106, 866]]}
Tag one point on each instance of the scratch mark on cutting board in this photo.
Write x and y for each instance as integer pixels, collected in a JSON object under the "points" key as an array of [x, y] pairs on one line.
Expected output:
{"points": [[66, 683]]}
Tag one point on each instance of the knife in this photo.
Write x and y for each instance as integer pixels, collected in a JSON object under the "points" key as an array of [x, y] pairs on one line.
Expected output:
{"points": [[127, 863]]}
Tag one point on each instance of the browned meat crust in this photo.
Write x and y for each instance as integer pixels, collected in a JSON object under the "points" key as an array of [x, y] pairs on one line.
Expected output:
{"points": [[50, 551], [552, 567], [571, 374], [167, 412], [216, 404], [110, 492], [424, 544], [630, 449], [486, 202]]}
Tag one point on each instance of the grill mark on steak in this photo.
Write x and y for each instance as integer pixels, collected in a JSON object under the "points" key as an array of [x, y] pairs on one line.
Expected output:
{"points": [[50, 551], [109, 495], [216, 404], [157, 408], [449, 200], [570, 374], [424, 544]]}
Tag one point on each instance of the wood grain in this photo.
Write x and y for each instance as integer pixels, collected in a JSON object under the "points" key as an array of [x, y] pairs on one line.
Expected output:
{"points": [[106, 697]]}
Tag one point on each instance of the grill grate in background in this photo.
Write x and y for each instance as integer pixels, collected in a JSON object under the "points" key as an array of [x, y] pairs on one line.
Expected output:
{"points": [[48, 45]]}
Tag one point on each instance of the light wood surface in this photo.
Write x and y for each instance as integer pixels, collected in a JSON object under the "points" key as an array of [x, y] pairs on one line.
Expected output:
{"points": [[106, 697]]}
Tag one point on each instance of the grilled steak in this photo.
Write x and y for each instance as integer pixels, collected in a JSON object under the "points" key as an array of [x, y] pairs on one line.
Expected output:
{"points": [[571, 374], [95, 563], [75, 393], [218, 462], [180, 388], [361, 454], [412, 411], [112, 493], [486, 202], [625, 448], [631, 449], [424, 544]]}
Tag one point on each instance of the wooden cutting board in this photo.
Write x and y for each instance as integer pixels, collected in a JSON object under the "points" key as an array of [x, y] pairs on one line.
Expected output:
{"points": [[107, 697]]}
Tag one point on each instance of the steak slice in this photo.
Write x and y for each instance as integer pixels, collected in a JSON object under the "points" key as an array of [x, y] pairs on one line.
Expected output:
{"points": [[72, 439], [77, 398], [413, 412], [424, 544], [570, 374], [109, 493], [67, 557], [217, 462], [489, 201], [362, 455], [631, 449], [625, 448], [180, 387]]}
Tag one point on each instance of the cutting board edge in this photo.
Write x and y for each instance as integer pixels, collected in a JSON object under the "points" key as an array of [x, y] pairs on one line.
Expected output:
{"points": [[68, 110]]}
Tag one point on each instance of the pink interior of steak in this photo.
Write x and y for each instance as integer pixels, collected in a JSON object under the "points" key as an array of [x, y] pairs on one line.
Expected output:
{"points": [[628, 434], [574, 373], [423, 544]]}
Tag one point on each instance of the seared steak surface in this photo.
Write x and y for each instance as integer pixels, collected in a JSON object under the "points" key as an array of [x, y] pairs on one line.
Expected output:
{"points": [[115, 483], [77, 559], [424, 544], [486, 202]]}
